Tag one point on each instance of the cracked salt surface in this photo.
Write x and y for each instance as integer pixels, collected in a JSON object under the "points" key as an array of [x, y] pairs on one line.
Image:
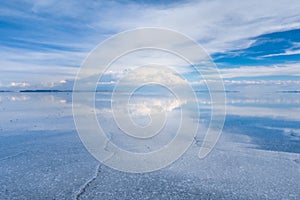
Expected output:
{"points": [[88, 183], [228, 173], [41, 157]]}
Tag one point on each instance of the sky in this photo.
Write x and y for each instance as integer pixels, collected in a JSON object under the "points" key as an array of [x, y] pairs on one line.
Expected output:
{"points": [[44, 42]]}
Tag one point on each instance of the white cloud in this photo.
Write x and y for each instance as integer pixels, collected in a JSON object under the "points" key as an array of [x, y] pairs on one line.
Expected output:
{"points": [[154, 74], [256, 71], [144, 57], [217, 24], [23, 84]]}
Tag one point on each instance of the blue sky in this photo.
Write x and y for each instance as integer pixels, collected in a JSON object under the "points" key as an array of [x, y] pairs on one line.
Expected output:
{"points": [[282, 47], [43, 42]]}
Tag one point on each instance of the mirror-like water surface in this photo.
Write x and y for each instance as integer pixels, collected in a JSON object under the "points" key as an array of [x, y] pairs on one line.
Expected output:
{"points": [[257, 156]]}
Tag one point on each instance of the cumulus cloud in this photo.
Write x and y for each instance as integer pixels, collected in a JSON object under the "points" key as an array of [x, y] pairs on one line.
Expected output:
{"points": [[155, 75], [145, 107]]}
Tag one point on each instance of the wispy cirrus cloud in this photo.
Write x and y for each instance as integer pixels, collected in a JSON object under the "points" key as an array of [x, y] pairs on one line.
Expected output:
{"points": [[287, 52], [218, 26], [267, 49], [262, 71]]}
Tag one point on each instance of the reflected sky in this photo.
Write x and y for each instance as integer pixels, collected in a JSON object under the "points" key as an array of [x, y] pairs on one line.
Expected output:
{"points": [[271, 120]]}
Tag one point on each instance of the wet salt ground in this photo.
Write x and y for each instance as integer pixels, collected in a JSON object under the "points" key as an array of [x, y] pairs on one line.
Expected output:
{"points": [[42, 157]]}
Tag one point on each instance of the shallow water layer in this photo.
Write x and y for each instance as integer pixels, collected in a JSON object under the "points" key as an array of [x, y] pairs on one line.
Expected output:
{"points": [[256, 157]]}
